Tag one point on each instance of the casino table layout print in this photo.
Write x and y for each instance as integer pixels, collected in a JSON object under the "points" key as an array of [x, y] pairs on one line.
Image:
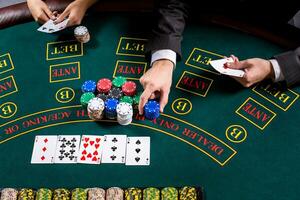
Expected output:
{"points": [[233, 142]]}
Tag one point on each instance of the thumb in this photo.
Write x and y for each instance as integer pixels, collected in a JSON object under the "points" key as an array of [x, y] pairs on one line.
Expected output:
{"points": [[48, 13], [62, 16], [236, 65]]}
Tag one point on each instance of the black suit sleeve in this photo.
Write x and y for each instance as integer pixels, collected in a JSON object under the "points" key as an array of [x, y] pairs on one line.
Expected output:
{"points": [[169, 25], [289, 63]]}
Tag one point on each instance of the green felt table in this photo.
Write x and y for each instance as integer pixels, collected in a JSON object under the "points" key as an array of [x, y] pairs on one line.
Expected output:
{"points": [[236, 143]]}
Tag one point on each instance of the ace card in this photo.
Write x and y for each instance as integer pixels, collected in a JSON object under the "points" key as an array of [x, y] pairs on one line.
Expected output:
{"points": [[219, 66]]}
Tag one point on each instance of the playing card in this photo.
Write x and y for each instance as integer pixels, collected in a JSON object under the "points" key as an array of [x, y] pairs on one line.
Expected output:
{"points": [[138, 151], [67, 148], [60, 26], [48, 27], [219, 66], [43, 149], [90, 149], [114, 149]]}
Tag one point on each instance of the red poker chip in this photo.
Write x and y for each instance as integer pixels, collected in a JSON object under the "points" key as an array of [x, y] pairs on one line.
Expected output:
{"points": [[104, 85], [129, 88]]}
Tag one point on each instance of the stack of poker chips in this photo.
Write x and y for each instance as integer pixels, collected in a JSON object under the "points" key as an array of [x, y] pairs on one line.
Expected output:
{"points": [[110, 99], [9, 194], [151, 109], [82, 34], [43, 194]]}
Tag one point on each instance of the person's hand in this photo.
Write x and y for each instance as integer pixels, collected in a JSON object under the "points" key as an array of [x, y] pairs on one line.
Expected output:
{"points": [[40, 11], [75, 12], [158, 79], [256, 70]]}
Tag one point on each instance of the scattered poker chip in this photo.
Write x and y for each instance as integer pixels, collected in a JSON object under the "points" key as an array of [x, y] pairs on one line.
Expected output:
{"points": [[119, 81], [9, 194], [133, 194], [79, 194], [188, 193], [151, 194], [169, 193], [127, 99], [82, 34], [110, 108], [129, 88], [43, 194], [115, 93], [86, 97], [104, 85], [96, 194], [61, 194], [95, 108], [102, 96], [151, 109], [114, 193], [26, 194], [89, 86]]}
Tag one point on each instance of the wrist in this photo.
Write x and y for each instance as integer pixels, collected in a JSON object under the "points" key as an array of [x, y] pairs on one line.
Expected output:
{"points": [[271, 73], [163, 63]]}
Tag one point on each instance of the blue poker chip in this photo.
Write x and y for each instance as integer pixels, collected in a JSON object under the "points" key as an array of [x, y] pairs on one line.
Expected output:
{"points": [[151, 109], [89, 86], [110, 108]]}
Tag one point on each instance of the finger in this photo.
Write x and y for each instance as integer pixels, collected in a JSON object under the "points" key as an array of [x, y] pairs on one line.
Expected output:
{"points": [[62, 16], [164, 97], [55, 14], [234, 58], [152, 96], [42, 18], [48, 13], [237, 65], [144, 98]]}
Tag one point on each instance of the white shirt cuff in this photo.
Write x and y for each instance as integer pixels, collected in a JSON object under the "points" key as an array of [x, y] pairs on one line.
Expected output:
{"points": [[277, 71], [164, 54]]}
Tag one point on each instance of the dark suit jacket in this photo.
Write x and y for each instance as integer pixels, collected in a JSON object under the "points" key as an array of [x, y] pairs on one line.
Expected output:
{"points": [[172, 14]]}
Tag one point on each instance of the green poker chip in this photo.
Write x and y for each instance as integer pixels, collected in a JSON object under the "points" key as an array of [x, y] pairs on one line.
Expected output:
{"points": [[136, 98], [119, 81], [151, 194], [188, 193], [79, 194], [43, 194], [61, 194], [86, 97], [169, 193], [127, 99]]}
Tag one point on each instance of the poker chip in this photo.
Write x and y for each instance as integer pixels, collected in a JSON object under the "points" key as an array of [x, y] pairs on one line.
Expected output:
{"points": [[136, 98], [188, 193], [102, 96], [129, 88], [127, 99], [95, 108], [82, 34], [96, 194], [79, 194], [43, 194], [86, 97], [110, 108], [9, 194], [61, 194], [124, 113], [104, 85], [119, 81], [114, 193], [151, 109], [89, 86], [115, 93], [169, 193], [151, 194], [133, 194], [26, 194]]}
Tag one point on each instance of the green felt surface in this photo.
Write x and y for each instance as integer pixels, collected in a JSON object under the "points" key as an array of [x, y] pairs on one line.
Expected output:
{"points": [[263, 166]]}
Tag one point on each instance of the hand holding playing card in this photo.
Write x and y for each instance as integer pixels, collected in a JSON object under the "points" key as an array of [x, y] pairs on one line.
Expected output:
{"points": [[255, 69], [221, 66]]}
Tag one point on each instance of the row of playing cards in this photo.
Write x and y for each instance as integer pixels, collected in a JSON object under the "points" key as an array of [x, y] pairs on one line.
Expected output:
{"points": [[91, 149], [51, 27], [219, 66]]}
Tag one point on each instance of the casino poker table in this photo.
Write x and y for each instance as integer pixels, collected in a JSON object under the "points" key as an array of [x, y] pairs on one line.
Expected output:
{"points": [[234, 142]]}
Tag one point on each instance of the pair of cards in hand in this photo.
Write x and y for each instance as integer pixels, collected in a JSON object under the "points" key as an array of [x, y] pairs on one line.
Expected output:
{"points": [[219, 66], [51, 27], [91, 149]]}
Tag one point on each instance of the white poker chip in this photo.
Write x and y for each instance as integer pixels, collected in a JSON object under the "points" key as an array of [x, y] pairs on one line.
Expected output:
{"points": [[80, 30], [96, 104], [124, 109]]}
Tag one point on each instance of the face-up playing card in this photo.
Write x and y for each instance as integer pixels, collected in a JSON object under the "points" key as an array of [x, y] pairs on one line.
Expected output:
{"points": [[51, 27], [138, 151], [114, 149], [44, 149], [90, 149], [219, 66], [67, 148]]}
